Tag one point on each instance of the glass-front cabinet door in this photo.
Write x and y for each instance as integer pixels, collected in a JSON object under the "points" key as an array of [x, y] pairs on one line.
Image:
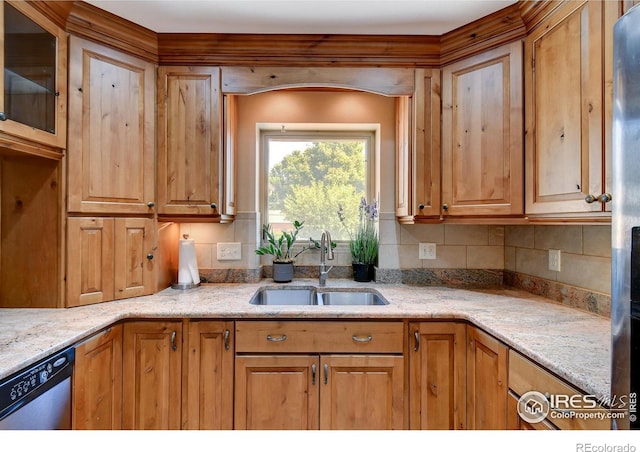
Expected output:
{"points": [[34, 59]]}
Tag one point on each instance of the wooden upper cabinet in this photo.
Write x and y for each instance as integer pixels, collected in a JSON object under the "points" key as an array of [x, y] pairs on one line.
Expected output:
{"points": [[108, 259], [134, 240], [97, 382], [189, 141], [567, 124], [90, 263], [111, 155], [33, 98], [418, 149], [438, 371], [482, 139], [152, 375]]}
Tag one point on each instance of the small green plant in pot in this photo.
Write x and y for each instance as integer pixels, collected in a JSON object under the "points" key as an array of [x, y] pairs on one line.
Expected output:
{"points": [[364, 242], [281, 248]]}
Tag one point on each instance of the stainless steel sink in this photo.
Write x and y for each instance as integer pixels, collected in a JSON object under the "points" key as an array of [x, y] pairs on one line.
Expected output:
{"points": [[273, 296], [311, 296], [349, 298]]}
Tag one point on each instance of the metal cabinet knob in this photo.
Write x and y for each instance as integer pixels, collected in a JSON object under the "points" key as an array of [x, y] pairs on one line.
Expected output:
{"points": [[420, 206], [214, 205], [445, 206], [3, 116], [605, 198], [150, 204], [150, 256], [590, 199]]}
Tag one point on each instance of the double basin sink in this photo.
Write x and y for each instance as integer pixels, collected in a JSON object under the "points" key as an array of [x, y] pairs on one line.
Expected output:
{"points": [[310, 296]]}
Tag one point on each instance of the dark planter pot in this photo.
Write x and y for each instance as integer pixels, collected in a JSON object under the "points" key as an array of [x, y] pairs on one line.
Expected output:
{"points": [[362, 272], [282, 271]]}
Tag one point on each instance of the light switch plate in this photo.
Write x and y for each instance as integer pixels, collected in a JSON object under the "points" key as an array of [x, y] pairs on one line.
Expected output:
{"points": [[229, 251], [427, 251], [554, 260]]}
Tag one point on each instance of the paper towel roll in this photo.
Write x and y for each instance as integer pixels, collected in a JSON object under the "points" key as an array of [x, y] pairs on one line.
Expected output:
{"points": [[187, 263]]}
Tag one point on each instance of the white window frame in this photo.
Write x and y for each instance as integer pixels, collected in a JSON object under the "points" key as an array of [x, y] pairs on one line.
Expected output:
{"points": [[314, 132]]}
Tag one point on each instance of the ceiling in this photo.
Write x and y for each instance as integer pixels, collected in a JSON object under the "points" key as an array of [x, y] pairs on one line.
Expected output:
{"points": [[376, 17]]}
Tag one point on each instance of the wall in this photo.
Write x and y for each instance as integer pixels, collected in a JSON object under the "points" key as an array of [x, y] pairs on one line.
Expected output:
{"points": [[521, 251]]}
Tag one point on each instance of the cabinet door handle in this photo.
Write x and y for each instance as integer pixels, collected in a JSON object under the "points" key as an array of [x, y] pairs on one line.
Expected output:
{"points": [[590, 199], [271, 338], [150, 204], [226, 339], [326, 373], [416, 336], [3, 116], [445, 207], [362, 338], [313, 374], [605, 198], [420, 206], [173, 341]]}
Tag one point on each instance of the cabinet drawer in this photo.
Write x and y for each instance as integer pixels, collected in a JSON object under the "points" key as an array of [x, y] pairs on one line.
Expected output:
{"points": [[319, 337], [526, 376]]}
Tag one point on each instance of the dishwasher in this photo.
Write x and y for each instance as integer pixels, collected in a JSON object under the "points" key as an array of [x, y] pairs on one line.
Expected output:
{"points": [[39, 397]]}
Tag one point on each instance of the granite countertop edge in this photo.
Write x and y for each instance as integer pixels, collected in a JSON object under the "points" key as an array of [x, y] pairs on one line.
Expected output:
{"points": [[573, 344]]}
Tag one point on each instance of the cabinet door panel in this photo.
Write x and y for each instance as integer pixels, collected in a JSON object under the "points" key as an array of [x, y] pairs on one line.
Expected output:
{"points": [[111, 128], [97, 382], [362, 392], [438, 370], [134, 240], [564, 119], [482, 134], [90, 270], [209, 390], [189, 145], [486, 382], [276, 392], [152, 375]]}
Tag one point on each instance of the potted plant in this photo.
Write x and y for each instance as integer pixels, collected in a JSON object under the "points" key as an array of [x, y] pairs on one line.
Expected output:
{"points": [[363, 243], [281, 248]]}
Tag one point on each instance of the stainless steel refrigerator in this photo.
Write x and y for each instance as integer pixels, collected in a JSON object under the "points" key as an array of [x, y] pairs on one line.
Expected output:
{"points": [[625, 252]]}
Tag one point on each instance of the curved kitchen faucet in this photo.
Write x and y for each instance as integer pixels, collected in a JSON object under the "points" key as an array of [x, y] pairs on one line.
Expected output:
{"points": [[326, 252]]}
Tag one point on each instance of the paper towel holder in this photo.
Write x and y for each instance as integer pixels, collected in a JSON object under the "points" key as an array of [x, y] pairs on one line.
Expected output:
{"points": [[185, 286]]}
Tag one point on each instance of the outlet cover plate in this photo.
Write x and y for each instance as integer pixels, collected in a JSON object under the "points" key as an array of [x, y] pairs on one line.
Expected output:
{"points": [[555, 260], [427, 251], [229, 251]]}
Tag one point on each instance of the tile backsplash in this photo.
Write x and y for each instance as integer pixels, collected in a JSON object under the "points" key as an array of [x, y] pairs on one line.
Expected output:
{"points": [[521, 252]]}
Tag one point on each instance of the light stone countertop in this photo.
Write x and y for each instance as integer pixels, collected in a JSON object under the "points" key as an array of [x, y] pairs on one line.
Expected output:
{"points": [[571, 343]]}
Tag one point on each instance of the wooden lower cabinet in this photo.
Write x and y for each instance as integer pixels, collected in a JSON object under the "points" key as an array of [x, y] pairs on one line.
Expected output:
{"points": [[277, 392], [438, 371], [487, 385], [152, 360], [208, 388], [307, 392], [97, 382]]}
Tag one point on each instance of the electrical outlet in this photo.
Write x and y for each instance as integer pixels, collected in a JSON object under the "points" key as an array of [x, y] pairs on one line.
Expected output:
{"points": [[229, 251], [427, 251], [554, 260]]}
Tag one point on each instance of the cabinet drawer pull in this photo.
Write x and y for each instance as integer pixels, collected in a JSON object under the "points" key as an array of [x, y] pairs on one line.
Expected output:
{"points": [[226, 339], [416, 336], [313, 374], [282, 338], [174, 347], [362, 338], [326, 373]]}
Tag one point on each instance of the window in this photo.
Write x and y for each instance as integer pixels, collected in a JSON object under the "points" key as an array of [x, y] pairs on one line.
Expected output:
{"points": [[308, 175]]}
